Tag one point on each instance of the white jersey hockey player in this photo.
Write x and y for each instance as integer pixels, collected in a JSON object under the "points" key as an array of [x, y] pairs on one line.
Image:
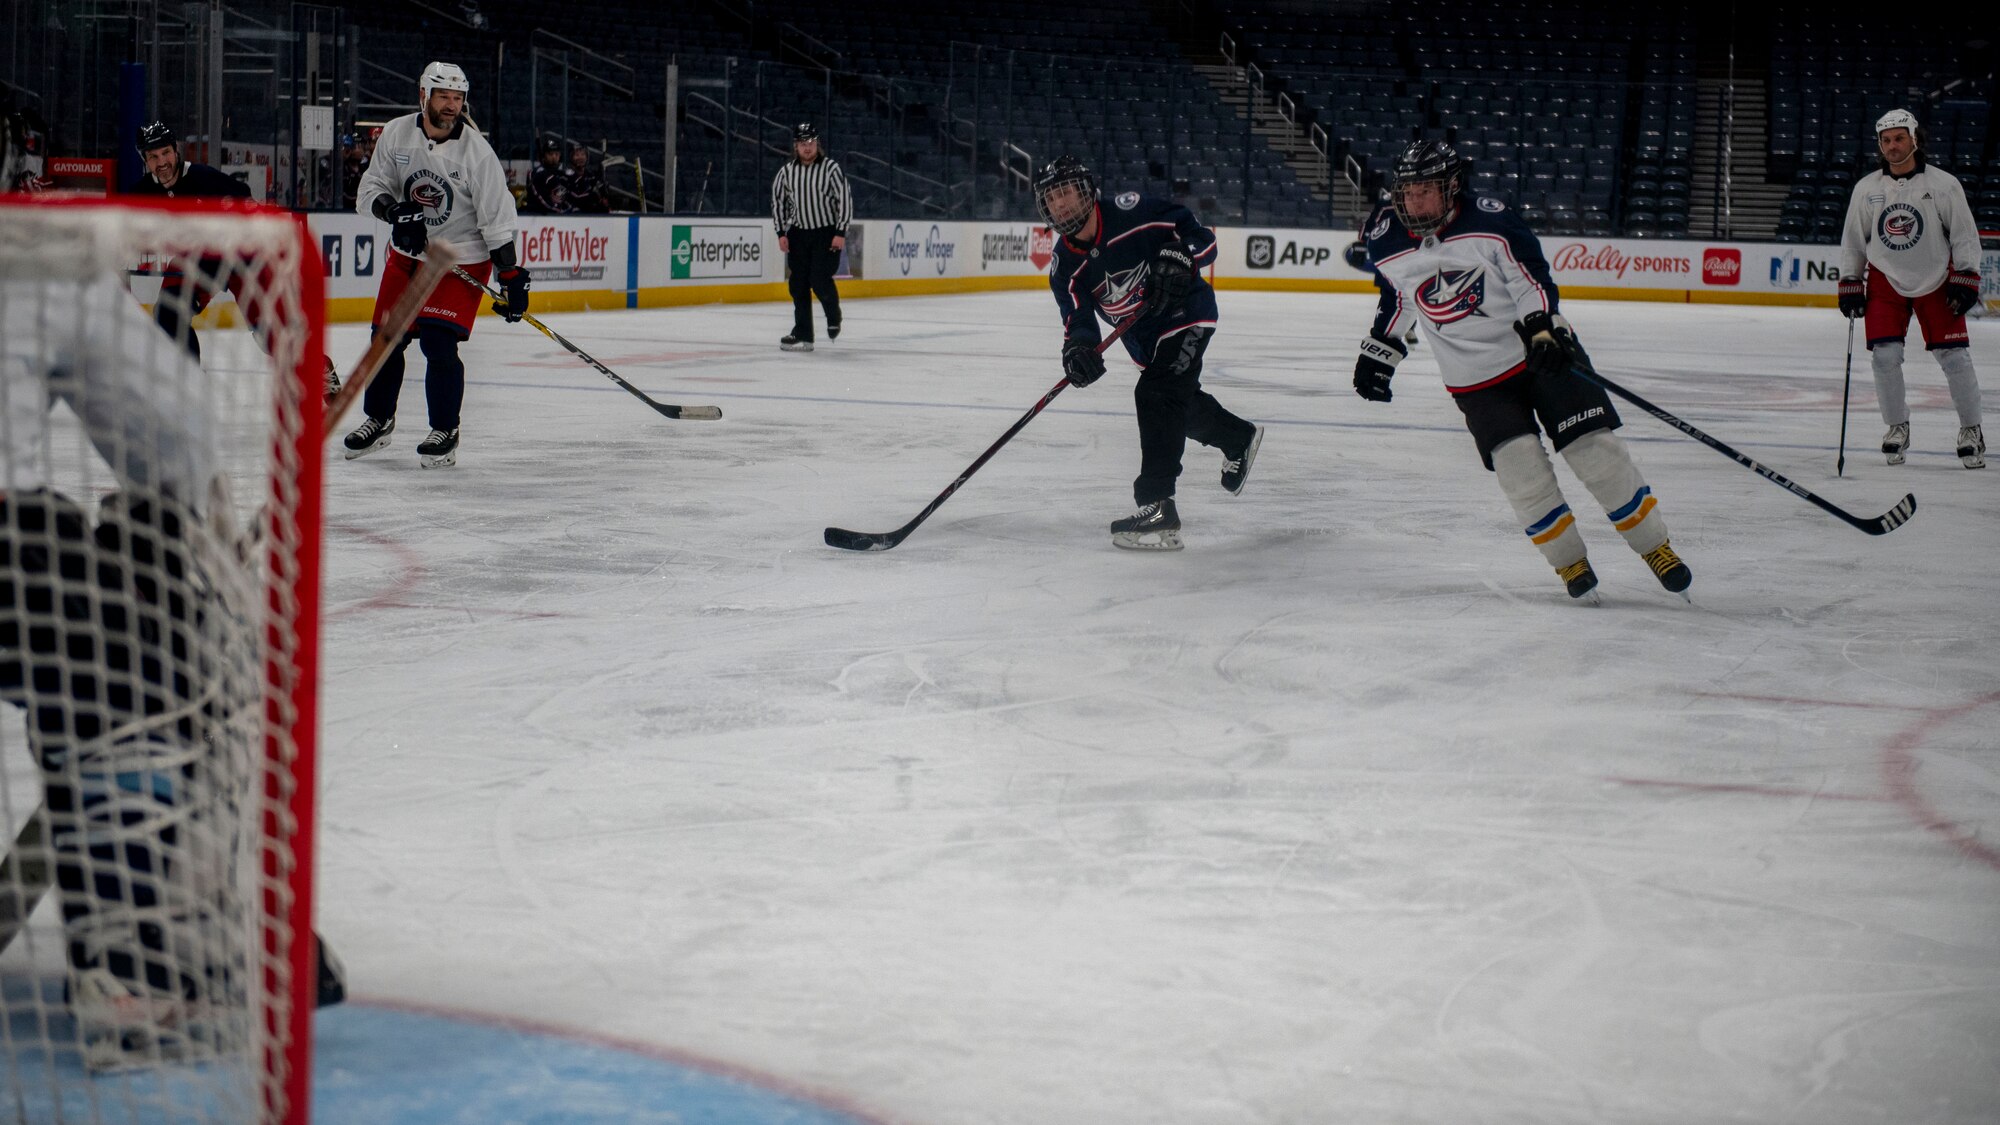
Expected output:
{"points": [[1910, 226], [434, 178], [1472, 274]]}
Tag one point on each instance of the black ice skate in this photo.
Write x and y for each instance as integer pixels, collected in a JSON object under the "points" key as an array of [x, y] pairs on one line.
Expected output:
{"points": [[1896, 442], [1154, 527], [794, 343], [372, 434], [1581, 580], [440, 450], [833, 331], [1236, 470], [1670, 570], [332, 381], [1972, 447]]}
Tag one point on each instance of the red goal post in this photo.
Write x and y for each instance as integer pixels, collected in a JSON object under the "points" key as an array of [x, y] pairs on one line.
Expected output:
{"points": [[230, 880]]}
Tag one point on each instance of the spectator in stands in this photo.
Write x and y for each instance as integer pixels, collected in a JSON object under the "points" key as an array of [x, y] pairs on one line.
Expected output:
{"points": [[586, 184], [811, 207], [548, 187]]}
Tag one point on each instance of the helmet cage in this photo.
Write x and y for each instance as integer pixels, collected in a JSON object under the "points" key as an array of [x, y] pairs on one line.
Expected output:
{"points": [[1065, 172]]}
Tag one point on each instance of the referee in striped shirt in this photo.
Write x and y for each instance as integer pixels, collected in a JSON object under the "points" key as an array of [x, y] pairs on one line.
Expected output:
{"points": [[811, 206]]}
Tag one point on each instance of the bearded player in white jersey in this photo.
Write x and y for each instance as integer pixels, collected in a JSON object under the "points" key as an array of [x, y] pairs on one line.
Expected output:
{"points": [[1469, 271], [434, 177], [1910, 226]]}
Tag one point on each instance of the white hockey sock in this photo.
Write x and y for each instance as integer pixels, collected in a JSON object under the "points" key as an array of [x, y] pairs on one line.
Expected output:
{"points": [[1957, 364], [1887, 359], [1530, 484], [1600, 460]]}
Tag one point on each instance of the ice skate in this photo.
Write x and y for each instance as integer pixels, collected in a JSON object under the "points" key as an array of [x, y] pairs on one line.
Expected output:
{"points": [[440, 450], [1670, 570], [1581, 581], [332, 381], [1972, 447], [794, 343], [1236, 470], [1896, 442], [833, 331], [1154, 527], [372, 434]]}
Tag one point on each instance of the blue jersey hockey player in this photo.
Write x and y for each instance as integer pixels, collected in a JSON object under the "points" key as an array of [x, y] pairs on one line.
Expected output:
{"points": [[1142, 257], [1472, 274]]}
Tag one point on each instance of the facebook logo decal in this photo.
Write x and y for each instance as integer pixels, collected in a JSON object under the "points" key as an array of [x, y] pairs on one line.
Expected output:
{"points": [[329, 252]]}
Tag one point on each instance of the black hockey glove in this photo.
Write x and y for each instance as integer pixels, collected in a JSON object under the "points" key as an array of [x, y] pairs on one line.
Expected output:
{"points": [[1552, 347], [1081, 362], [1375, 366], [1961, 291], [514, 281], [1853, 297], [406, 227], [1167, 285], [1357, 256]]}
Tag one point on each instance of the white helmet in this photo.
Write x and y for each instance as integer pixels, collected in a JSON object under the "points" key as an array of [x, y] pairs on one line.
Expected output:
{"points": [[442, 76], [1897, 119]]}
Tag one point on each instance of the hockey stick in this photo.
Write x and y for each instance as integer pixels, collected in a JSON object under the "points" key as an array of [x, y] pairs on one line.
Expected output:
{"points": [[1880, 525], [882, 541], [438, 260], [1846, 384], [701, 413]]}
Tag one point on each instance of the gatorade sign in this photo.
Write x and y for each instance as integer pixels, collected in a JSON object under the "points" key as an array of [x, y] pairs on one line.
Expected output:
{"points": [[716, 250]]}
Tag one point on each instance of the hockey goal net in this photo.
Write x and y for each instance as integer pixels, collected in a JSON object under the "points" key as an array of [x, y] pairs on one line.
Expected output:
{"points": [[159, 573]]}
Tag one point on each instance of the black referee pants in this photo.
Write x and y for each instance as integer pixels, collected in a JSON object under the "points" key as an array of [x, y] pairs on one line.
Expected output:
{"points": [[811, 259]]}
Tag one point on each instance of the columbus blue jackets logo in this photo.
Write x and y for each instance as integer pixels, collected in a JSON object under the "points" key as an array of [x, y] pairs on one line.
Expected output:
{"points": [[1123, 293], [1127, 200], [1450, 296], [1899, 227], [429, 189]]}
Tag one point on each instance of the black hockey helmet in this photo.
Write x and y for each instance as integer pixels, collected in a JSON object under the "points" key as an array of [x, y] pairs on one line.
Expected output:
{"points": [[805, 131], [1064, 171], [1427, 162], [154, 135]]}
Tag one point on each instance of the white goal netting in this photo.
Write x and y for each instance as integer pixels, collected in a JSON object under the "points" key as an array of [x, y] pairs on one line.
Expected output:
{"points": [[159, 545]]}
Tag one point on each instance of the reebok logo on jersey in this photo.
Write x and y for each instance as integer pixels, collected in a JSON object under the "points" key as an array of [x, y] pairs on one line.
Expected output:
{"points": [[1449, 296], [1899, 227]]}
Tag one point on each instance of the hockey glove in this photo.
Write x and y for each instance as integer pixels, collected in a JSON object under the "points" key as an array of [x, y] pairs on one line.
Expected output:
{"points": [[1357, 256], [1081, 362], [406, 227], [1552, 347], [514, 281], [1961, 291], [1375, 366], [1171, 278], [1853, 297]]}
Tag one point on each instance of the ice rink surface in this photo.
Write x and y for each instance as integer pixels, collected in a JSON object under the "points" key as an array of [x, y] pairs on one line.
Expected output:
{"points": [[1344, 814]]}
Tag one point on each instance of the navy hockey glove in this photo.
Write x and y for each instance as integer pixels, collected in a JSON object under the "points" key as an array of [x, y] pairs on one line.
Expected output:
{"points": [[514, 281], [406, 227], [1167, 285], [1081, 362], [1853, 297], [1375, 366], [1552, 347], [1357, 256], [1961, 291]]}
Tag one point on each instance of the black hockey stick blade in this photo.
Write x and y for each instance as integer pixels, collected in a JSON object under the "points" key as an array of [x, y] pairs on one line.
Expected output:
{"points": [[863, 540], [665, 409], [1880, 525], [872, 541]]}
